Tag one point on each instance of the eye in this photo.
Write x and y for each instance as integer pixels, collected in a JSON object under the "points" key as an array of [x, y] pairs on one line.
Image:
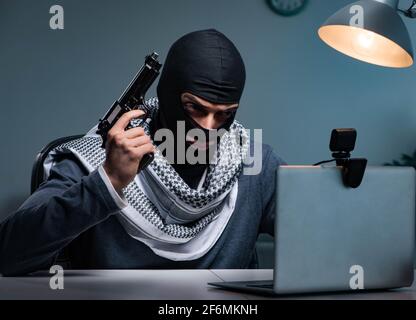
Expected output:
{"points": [[194, 109], [226, 114]]}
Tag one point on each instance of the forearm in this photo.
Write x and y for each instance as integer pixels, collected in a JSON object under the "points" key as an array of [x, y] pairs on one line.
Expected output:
{"points": [[33, 236]]}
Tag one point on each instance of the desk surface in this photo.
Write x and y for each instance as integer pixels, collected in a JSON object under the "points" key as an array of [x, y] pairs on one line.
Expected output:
{"points": [[158, 284]]}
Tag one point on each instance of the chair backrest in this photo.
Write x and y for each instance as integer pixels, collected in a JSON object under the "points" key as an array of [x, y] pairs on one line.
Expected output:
{"points": [[37, 169]]}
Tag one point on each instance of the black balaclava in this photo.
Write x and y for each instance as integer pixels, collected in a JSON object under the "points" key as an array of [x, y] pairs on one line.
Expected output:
{"points": [[206, 64]]}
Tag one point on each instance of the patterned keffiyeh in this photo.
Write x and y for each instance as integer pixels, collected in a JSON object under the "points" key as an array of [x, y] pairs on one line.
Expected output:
{"points": [[174, 220]]}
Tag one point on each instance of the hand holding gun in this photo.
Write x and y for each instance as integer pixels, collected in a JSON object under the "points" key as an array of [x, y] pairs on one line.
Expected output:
{"points": [[133, 98]]}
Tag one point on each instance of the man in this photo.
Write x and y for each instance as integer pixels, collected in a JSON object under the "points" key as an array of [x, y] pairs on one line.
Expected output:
{"points": [[171, 215]]}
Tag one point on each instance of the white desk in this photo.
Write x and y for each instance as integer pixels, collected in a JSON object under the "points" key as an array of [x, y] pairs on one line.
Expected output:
{"points": [[157, 284]]}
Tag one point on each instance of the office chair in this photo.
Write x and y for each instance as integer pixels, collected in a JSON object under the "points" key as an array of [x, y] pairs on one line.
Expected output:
{"points": [[38, 174], [262, 255]]}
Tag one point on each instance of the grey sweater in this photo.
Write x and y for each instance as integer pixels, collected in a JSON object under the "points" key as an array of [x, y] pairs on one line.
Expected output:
{"points": [[74, 210]]}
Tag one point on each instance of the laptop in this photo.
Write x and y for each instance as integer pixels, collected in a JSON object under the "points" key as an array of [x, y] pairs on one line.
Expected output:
{"points": [[329, 237]]}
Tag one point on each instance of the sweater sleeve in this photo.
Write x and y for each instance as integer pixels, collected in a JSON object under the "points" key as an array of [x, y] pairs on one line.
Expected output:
{"points": [[269, 185], [67, 204]]}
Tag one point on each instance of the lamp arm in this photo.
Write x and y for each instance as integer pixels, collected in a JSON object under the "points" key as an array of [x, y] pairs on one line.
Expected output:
{"points": [[411, 12]]}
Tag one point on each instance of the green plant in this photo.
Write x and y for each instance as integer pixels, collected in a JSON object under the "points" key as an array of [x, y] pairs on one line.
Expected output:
{"points": [[405, 161]]}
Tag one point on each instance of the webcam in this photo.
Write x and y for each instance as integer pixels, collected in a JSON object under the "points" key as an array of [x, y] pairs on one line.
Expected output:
{"points": [[341, 144]]}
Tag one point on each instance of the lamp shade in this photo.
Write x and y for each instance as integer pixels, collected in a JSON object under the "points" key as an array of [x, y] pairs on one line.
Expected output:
{"points": [[382, 37]]}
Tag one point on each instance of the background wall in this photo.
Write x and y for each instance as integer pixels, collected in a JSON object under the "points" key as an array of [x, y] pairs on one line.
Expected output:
{"points": [[60, 82]]}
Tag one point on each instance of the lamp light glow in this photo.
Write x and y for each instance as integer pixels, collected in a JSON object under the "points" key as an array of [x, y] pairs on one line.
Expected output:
{"points": [[382, 40]]}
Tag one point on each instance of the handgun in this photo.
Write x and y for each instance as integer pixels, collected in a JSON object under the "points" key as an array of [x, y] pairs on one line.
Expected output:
{"points": [[132, 98]]}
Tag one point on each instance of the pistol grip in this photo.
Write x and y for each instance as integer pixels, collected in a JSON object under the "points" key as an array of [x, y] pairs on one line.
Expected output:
{"points": [[104, 142], [146, 160]]}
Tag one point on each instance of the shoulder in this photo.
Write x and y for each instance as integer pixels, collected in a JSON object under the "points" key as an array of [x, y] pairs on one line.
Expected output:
{"points": [[270, 163], [270, 157], [261, 159]]}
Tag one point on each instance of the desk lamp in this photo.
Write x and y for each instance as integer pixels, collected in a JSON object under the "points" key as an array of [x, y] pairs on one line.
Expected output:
{"points": [[371, 31]]}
